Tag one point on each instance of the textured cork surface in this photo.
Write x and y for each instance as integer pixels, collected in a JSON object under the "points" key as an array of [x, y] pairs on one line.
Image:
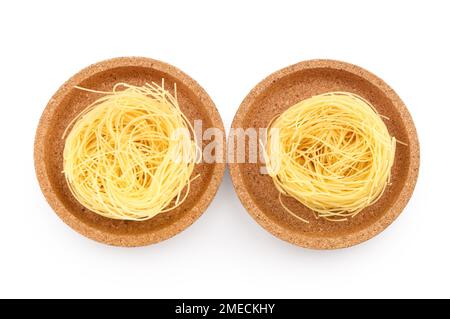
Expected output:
{"points": [[67, 102], [257, 192]]}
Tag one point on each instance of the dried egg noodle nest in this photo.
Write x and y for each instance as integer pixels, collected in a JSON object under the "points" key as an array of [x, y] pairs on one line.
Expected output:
{"points": [[331, 152], [129, 155]]}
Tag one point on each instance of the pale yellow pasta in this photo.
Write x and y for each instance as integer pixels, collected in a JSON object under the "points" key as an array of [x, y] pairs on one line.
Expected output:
{"points": [[130, 154], [331, 152]]}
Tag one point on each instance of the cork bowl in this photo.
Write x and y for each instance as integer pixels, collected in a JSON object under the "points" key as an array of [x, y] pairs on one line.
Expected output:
{"points": [[257, 192], [67, 102]]}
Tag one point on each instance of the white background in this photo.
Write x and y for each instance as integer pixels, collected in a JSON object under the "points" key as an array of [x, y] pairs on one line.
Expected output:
{"points": [[228, 47]]}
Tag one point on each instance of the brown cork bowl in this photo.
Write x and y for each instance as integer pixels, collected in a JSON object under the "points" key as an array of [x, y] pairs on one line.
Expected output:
{"points": [[67, 102], [257, 192]]}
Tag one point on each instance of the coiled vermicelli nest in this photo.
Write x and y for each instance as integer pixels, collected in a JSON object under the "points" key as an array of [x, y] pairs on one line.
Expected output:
{"points": [[130, 154], [331, 152]]}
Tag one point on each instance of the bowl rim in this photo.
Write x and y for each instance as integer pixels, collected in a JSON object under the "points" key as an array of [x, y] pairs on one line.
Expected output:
{"points": [[346, 240], [89, 231]]}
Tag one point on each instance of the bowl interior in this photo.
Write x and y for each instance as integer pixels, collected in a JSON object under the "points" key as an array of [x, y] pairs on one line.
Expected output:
{"points": [[273, 96], [69, 101]]}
